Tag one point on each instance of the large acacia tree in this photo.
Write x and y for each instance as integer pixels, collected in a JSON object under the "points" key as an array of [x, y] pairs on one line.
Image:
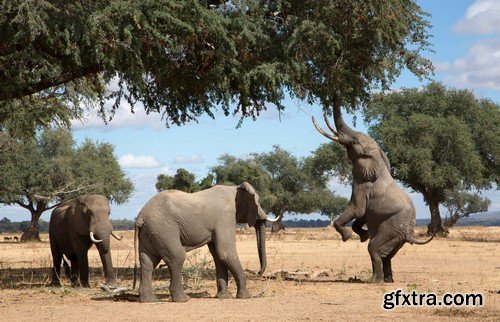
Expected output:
{"points": [[182, 180], [185, 58], [438, 140], [43, 171]]}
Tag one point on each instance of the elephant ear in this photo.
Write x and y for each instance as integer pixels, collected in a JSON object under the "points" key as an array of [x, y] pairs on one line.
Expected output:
{"points": [[248, 209], [77, 216]]}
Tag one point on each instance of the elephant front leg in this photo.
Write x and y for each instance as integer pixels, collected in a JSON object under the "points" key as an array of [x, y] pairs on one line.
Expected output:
{"points": [[227, 254], [221, 273], [357, 227], [83, 269]]}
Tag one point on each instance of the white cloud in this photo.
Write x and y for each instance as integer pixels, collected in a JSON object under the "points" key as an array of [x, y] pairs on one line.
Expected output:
{"points": [[139, 161], [480, 68], [193, 159], [482, 17], [123, 117]]}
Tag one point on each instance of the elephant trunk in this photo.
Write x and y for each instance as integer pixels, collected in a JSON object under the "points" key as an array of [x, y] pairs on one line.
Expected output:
{"points": [[260, 230], [337, 117]]}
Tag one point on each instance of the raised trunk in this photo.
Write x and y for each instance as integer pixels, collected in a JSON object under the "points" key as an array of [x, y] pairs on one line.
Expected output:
{"points": [[337, 116], [260, 231]]}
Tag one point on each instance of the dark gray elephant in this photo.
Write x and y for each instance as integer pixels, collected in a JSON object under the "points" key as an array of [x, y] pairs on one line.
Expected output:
{"points": [[75, 225], [376, 199], [174, 222]]}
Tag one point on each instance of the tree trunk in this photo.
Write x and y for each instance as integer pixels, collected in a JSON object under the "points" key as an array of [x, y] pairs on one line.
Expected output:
{"points": [[436, 224], [33, 232], [278, 225]]}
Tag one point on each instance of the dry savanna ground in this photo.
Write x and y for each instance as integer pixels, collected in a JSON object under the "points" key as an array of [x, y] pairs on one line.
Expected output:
{"points": [[311, 275]]}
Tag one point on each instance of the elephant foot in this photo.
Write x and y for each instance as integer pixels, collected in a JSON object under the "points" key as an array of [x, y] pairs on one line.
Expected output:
{"points": [[112, 284], [364, 236], [388, 279], [243, 294], [346, 234], [180, 297], [55, 284], [376, 280], [223, 295], [148, 299]]}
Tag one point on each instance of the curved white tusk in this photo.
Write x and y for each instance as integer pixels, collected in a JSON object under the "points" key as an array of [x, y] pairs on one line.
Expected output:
{"points": [[273, 220], [116, 236], [320, 130], [95, 241]]}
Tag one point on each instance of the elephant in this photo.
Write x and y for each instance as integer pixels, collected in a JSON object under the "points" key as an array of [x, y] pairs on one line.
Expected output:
{"points": [[75, 225], [376, 198], [174, 222]]}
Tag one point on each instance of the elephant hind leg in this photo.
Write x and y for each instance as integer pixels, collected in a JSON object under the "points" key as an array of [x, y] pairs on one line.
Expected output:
{"points": [[148, 263], [175, 260], [57, 257], [392, 247], [221, 273], [378, 248], [74, 271]]}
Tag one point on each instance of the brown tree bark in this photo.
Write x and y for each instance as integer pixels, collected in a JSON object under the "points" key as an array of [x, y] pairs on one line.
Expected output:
{"points": [[436, 224], [33, 232]]}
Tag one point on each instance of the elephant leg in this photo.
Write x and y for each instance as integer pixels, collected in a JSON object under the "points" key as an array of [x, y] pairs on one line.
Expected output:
{"points": [[148, 263], [83, 268], [175, 260], [357, 227], [373, 249], [56, 268], [388, 252], [352, 212], [74, 271], [226, 251], [221, 273]]}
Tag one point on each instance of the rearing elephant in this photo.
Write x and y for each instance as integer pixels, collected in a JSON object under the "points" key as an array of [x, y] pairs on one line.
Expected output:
{"points": [[376, 198], [74, 226], [174, 222]]}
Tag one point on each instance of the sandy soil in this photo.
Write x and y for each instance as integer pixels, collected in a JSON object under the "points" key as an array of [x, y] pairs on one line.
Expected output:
{"points": [[469, 262]]}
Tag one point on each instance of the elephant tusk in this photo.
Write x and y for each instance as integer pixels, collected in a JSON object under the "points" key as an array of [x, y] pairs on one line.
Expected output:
{"points": [[116, 236], [95, 241], [273, 220], [320, 130]]}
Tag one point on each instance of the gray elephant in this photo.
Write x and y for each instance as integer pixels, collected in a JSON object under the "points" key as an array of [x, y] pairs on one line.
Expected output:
{"points": [[75, 225], [376, 199], [174, 222]]}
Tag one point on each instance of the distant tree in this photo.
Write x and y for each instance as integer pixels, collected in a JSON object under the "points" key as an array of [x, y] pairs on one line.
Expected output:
{"points": [[282, 182], [39, 173], [438, 140], [461, 204], [183, 180]]}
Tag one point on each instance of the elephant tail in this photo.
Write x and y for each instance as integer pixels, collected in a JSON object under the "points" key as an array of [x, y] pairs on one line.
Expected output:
{"points": [[136, 252], [412, 240]]}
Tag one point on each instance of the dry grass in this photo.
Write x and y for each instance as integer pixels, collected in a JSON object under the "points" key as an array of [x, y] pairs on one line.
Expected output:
{"points": [[468, 261]]}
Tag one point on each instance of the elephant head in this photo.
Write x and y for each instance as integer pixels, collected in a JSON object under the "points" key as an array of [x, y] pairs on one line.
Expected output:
{"points": [[89, 216], [369, 161], [249, 211]]}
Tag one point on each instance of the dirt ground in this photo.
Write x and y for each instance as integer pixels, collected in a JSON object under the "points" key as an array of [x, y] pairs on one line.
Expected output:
{"points": [[468, 262]]}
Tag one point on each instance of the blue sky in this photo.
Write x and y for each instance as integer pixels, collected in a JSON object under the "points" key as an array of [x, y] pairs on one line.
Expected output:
{"points": [[467, 55]]}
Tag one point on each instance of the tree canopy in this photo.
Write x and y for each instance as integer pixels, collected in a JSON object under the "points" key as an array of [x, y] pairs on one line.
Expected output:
{"points": [[283, 184], [438, 140], [185, 58], [461, 204], [183, 180], [39, 173]]}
